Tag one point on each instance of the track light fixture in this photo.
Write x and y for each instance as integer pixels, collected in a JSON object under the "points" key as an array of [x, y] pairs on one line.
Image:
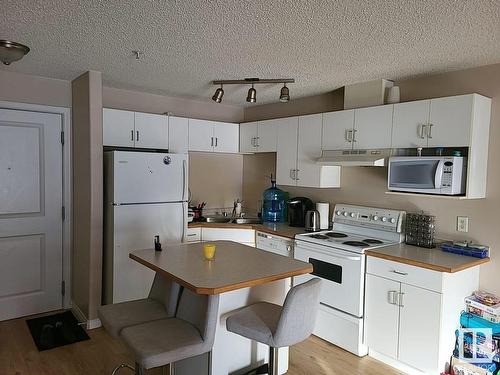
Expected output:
{"points": [[252, 92], [219, 93], [252, 95]]}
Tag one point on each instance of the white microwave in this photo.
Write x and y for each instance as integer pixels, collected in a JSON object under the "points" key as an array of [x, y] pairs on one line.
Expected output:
{"points": [[444, 175]]}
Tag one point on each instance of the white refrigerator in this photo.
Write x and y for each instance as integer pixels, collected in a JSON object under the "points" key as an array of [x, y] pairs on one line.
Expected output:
{"points": [[145, 196]]}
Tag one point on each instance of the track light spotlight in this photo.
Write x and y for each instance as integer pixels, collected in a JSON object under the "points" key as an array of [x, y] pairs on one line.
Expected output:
{"points": [[219, 93], [252, 95], [284, 94]]}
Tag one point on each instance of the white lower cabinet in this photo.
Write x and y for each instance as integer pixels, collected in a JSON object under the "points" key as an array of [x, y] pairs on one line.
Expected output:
{"points": [[243, 236], [411, 313]]}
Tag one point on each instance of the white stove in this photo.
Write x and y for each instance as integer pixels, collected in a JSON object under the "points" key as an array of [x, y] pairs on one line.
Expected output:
{"points": [[337, 256]]}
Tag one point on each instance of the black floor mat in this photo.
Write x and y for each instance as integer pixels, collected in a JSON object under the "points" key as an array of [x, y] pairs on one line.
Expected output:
{"points": [[56, 330]]}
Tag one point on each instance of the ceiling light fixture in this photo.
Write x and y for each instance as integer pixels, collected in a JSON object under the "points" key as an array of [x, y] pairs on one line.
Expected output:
{"points": [[219, 93], [284, 94], [252, 95], [252, 92], [12, 51]]}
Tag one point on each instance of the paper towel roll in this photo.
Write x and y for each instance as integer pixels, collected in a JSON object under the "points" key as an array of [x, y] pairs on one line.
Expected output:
{"points": [[323, 208]]}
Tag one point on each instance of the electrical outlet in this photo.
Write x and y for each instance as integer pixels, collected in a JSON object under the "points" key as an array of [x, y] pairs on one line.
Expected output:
{"points": [[462, 224]]}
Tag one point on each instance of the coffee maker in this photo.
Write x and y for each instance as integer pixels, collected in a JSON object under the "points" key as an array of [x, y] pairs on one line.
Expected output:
{"points": [[297, 208]]}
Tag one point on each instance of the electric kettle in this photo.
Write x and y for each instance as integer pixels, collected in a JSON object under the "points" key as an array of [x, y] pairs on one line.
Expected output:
{"points": [[312, 221]]}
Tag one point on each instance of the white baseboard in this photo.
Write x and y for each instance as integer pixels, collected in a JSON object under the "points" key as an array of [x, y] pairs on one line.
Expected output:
{"points": [[89, 324]]}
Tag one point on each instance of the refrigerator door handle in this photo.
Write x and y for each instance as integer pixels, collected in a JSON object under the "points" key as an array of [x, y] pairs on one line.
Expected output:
{"points": [[184, 178], [184, 221]]}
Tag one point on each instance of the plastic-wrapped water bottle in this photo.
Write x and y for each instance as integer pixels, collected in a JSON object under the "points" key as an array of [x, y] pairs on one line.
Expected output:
{"points": [[274, 204]]}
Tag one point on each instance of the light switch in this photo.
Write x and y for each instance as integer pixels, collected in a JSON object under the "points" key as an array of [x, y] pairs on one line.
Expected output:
{"points": [[462, 224]]}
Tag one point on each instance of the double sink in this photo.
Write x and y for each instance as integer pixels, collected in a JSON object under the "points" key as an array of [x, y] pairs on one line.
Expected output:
{"points": [[226, 220]]}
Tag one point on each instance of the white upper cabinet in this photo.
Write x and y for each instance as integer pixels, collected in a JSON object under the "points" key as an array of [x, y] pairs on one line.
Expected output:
{"points": [[450, 121], [337, 130], [201, 135], [248, 137], [151, 131], [410, 124], [118, 128], [213, 136], [258, 136], [372, 127], [226, 137], [286, 155], [178, 134], [267, 136]]}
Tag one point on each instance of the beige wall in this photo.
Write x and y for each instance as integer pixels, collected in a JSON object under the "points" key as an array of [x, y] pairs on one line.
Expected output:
{"points": [[87, 193], [215, 178], [145, 102], [367, 186], [257, 169], [23, 88]]}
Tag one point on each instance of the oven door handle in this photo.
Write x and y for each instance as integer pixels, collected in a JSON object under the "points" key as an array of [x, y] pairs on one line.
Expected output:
{"points": [[330, 252], [438, 178]]}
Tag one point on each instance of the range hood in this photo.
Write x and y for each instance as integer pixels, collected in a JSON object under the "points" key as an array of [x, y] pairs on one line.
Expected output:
{"points": [[355, 158]]}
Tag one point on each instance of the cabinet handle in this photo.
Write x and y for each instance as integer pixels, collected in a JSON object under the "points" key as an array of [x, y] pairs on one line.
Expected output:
{"points": [[212, 143], [429, 135], [291, 173], [354, 135], [192, 234], [258, 143], [400, 299], [296, 175], [391, 297], [216, 140], [137, 135], [421, 129], [348, 134], [400, 273], [132, 135], [253, 142]]}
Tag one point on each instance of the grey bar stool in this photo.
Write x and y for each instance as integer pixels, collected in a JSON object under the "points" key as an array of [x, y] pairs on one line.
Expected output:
{"points": [[163, 342], [278, 326], [160, 304]]}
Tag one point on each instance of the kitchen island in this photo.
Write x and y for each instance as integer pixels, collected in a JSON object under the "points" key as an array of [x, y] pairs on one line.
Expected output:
{"points": [[242, 275]]}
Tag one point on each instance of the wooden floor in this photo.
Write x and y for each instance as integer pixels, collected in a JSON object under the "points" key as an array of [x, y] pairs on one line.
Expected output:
{"points": [[98, 356]]}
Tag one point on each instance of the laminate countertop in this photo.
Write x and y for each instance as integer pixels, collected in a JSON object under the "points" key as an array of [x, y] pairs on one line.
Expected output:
{"points": [[433, 259], [283, 230], [235, 266]]}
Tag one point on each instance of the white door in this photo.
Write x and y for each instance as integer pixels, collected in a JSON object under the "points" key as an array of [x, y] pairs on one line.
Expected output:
{"points": [[309, 150], [30, 213], [248, 137], [178, 134], [286, 155], [227, 137], [118, 128], [135, 227], [151, 131], [450, 121], [149, 177], [336, 130], [409, 126], [201, 135], [418, 331], [373, 127], [267, 136], [382, 316]]}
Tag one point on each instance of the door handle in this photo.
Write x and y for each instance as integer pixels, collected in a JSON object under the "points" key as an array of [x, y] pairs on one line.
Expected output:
{"points": [[137, 135], [354, 135], [438, 177], [429, 134], [258, 143], [216, 141], [400, 273], [399, 299], [296, 175], [253, 142], [212, 142], [132, 135], [391, 297], [421, 131], [292, 174], [348, 135], [184, 179]]}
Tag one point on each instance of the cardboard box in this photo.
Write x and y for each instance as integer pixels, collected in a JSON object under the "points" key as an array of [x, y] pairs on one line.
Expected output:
{"points": [[366, 94]]}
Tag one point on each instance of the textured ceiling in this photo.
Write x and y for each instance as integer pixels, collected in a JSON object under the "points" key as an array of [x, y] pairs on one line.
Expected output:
{"points": [[186, 44]]}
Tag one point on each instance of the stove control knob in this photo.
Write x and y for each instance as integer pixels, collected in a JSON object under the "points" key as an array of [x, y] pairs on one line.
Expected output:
{"points": [[338, 212], [375, 218], [392, 220], [345, 213], [353, 214], [384, 219]]}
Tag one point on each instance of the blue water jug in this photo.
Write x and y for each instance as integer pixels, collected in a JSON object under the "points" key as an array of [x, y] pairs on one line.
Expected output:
{"points": [[274, 204]]}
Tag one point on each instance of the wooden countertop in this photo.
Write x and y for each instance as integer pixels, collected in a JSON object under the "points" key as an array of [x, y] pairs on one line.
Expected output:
{"points": [[433, 259], [283, 230], [235, 266]]}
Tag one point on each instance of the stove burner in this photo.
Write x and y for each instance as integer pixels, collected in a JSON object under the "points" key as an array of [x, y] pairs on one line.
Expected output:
{"points": [[373, 241], [356, 243], [336, 234], [319, 236]]}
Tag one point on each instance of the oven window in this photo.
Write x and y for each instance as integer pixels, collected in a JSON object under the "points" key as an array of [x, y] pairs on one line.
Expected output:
{"points": [[414, 174], [328, 271]]}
